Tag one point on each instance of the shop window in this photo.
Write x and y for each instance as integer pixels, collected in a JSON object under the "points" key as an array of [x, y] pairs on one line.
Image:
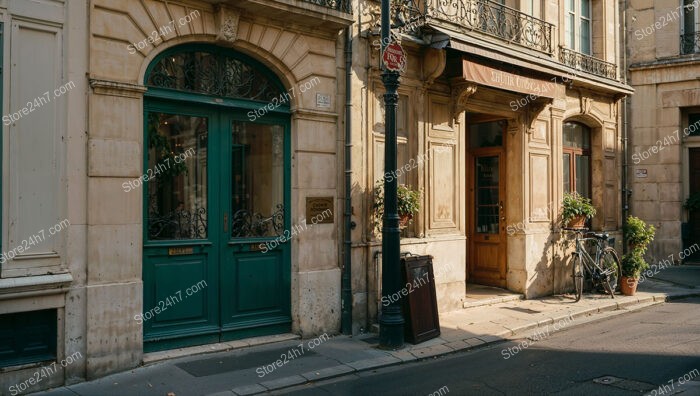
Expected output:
{"points": [[577, 159], [577, 26], [27, 337]]}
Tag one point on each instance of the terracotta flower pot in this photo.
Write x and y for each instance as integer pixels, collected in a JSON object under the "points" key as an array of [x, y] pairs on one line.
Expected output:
{"points": [[404, 219], [577, 222], [628, 285]]}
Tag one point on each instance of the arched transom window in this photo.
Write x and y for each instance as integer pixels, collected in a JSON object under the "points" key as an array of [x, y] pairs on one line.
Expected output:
{"points": [[212, 73]]}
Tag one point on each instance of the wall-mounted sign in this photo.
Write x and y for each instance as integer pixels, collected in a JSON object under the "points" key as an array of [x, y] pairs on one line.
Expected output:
{"points": [[180, 251], [394, 57], [491, 77], [323, 101], [320, 210], [641, 173]]}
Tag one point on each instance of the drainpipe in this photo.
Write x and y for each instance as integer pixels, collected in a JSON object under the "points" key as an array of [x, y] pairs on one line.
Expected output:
{"points": [[626, 192], [346, 287]]}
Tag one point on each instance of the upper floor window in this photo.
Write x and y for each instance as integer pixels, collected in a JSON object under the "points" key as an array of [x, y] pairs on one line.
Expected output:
{"points": [[577, 26], [691, 22], [577, 159], [531, 7]]}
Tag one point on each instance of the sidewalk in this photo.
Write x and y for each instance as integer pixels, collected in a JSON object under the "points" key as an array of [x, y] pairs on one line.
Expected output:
{"points": [[245, 370]]}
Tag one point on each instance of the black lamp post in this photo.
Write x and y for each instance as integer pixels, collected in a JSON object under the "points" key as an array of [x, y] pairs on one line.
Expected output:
{"points": [[391, 320]]}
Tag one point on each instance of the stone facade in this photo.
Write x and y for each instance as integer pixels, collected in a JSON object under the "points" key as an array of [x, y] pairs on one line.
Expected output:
{"points": [[92, 273], [664, 76], [438, 103]]}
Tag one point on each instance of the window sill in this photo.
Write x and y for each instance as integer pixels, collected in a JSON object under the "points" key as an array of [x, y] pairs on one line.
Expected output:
{"points": [[34, 285]]}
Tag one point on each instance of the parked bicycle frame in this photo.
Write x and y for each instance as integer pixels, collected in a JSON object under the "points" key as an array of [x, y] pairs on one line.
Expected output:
{"points": [[603, 270]]}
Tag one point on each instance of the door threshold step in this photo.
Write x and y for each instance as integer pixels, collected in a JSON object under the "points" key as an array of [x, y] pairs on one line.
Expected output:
{"points": [[153, 357], [469, 302]]}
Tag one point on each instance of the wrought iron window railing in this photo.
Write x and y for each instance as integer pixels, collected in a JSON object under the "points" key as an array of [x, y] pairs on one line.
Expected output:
{"points": [[690, 43], [338, 5], [587, 63], [494, 19]]}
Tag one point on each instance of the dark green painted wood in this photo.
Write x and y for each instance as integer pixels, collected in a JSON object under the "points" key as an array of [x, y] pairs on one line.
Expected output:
{"points": [[248, 292]]}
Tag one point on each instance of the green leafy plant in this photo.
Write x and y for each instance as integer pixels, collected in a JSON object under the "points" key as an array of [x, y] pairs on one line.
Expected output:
{"points": [[574, 205], [408, 201], [638, 234], [693, 202], [633, 264]]}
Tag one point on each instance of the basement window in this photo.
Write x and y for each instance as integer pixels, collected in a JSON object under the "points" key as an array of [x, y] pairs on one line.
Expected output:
{"points": [[28, 337]]}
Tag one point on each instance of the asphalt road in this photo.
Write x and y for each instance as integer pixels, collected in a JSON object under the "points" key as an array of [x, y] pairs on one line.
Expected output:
{"points": [[645, 352]]}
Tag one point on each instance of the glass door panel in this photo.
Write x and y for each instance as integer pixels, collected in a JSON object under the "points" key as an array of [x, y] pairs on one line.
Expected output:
{"points": [[257, 180], [487, 195], [177, 176]]}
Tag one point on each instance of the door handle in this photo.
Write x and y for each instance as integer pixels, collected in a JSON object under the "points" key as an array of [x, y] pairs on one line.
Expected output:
{"points": [[225, 221]]}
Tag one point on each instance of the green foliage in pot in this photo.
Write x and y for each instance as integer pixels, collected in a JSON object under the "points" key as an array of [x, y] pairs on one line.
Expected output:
{"points": [[693, 203], [408, 201], [638, 234], [573, 205], [633, 264]]}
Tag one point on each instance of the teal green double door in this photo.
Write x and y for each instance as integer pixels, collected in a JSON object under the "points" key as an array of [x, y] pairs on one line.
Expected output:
{"points": [[216, 191]]}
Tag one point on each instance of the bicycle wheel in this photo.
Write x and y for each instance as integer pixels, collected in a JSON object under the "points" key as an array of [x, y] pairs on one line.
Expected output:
{"points": [[610, 264], [577, 275]]}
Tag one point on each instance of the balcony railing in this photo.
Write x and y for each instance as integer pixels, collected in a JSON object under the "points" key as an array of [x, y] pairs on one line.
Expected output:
{"points": [[494, 19], [690, 43], [587, 63], [338, 5]]}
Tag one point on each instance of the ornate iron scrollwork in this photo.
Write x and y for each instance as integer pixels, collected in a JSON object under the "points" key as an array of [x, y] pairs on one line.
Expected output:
{"points": [[179, 224], [690, 43], [338, 5], [494, 19], [587, 63], [212, 74], [249, 224]]}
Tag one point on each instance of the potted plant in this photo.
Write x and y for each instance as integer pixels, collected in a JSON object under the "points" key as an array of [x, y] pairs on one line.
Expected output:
{"points": [[638, 234], [576, 209], [632, 266], [408, 203]]}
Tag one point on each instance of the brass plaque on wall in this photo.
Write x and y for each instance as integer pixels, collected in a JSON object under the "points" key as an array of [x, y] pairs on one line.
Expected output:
{"points": [[319, 210]]}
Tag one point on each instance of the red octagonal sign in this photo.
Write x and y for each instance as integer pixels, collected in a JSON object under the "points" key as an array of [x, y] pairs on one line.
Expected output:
{"points": [[394, 57]]}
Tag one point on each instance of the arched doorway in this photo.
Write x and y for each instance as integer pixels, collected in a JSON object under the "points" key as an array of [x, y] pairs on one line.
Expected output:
{"points": [[216, 193]]}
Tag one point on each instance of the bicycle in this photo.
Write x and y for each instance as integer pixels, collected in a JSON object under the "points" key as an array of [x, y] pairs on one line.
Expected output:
{"points": [[603, 271]]}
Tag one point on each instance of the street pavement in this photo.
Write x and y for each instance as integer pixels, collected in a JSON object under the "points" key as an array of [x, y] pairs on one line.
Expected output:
{"points": [[653, 351], [240, 369]]}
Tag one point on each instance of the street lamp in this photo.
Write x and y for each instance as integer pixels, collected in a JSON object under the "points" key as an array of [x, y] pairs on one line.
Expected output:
{"points": [[391, 320]]}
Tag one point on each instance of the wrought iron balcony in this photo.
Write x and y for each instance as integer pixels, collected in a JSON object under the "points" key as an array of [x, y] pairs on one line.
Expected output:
{"points": [[338, 5], [587, 63], [495, 19], [690, 43]]}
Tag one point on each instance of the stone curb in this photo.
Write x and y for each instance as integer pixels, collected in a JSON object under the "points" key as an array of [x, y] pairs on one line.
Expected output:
{"points": [[394, 358]]}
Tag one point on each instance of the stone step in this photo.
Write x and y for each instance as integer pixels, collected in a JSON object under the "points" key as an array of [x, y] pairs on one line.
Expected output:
{"points": [[480, 302]]}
